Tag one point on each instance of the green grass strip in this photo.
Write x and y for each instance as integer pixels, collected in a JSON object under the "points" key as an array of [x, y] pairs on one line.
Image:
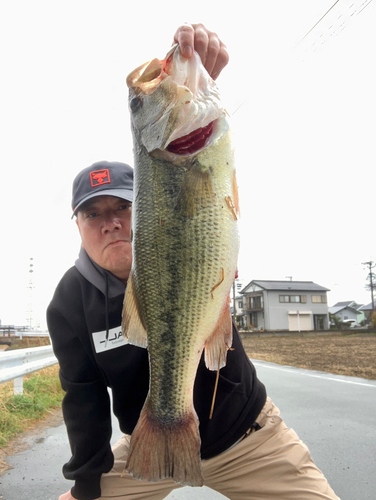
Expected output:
{"points": [[42, 393]]}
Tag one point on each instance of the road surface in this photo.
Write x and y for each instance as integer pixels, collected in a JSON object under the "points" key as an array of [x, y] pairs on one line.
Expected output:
{"points": [[334, 415]]}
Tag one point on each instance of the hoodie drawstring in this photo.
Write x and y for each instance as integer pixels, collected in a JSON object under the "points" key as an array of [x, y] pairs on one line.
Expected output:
{"points": [[106, 306]]}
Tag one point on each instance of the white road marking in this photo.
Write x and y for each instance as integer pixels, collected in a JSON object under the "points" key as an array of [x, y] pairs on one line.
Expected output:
{"points": [[304, 373]]}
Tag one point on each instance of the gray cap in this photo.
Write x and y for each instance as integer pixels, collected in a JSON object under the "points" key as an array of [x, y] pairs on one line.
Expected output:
{"points": [[102, 178]]}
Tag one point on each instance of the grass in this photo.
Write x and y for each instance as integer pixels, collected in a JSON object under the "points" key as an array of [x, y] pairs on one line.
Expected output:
{"points": [[42, 393]]}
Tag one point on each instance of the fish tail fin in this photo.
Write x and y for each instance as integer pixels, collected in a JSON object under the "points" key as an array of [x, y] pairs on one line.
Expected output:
{"points": [[132, 326], [158, 451], [220, 340]]}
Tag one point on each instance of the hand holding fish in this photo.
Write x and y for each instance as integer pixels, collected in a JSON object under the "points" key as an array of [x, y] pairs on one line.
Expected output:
{"points": [[211, 49]]}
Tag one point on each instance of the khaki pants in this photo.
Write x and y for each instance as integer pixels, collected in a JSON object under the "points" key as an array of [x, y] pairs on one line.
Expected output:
{"points": [[271, 463]]}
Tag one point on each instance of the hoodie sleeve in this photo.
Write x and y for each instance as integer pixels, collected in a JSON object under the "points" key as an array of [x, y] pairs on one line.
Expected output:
{"points": [[86, 410]]}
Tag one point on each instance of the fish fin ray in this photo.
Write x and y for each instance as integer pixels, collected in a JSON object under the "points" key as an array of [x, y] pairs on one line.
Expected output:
{"points": [[220, 341], [132, 326], [158, 451], [196, 191], [235, 195]]}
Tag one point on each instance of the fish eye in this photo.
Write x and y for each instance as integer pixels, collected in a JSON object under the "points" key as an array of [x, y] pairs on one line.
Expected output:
{"points": [[135, 104]]}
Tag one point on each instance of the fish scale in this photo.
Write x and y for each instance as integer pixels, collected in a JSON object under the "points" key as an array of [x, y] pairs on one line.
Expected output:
{"points": [[185, 247]]}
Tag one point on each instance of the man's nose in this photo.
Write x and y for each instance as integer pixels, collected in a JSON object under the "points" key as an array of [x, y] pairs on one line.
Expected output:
{"points": [[111, 224]]}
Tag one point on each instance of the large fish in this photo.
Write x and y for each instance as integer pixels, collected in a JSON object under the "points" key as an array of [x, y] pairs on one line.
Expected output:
{"points": [[185, 244]]}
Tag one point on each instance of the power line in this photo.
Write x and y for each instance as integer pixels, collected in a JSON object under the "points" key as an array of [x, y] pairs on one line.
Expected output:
{"points": [[314, 26], [345, 11]]}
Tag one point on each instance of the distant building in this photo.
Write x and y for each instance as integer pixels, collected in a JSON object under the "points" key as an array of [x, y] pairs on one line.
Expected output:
{"points": [[285, 305], [367, 311], [347, 310], [239, 310]]}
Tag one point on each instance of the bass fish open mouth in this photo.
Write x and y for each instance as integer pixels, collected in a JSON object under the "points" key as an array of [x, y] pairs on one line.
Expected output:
{"points": [[193, 142], [175, 105]]}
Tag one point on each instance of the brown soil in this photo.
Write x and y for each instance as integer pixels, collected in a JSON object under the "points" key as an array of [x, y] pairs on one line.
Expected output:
{"points": [[25, 343], [352, 355]]}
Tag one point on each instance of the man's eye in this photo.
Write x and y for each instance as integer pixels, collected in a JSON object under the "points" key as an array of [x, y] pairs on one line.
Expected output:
{"points": [[124, 207], [91, 215]]}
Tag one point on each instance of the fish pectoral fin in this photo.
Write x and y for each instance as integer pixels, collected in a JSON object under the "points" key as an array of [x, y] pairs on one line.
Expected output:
{"points": [[132, 326], [220, 340], [196, 191]]}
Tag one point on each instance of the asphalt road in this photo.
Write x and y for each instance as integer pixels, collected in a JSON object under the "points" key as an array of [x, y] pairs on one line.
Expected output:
{"points": [[333, 415]]}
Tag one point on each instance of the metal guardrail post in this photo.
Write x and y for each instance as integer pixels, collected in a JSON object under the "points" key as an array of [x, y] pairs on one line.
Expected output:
{"points": [[18, 386]]}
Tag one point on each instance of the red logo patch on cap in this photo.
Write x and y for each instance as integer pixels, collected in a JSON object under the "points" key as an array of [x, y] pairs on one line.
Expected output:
{"points": [[99, 177]]}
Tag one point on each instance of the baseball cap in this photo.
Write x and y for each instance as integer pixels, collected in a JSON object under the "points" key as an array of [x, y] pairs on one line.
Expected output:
{"points": [[102, 178]]}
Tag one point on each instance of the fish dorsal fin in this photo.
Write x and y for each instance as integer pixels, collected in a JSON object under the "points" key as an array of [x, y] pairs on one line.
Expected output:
{"points": [[220, 340], [132, 326]]}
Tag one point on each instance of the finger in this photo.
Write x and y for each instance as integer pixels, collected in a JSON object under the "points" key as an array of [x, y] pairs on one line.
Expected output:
{"points": [[184, 36], [212, 53], [201, 41], [222, 61]]}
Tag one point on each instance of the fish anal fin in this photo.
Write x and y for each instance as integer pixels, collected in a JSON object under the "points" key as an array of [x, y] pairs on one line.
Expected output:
{"points": [[159, 450], [220, 341], [132, 325]]}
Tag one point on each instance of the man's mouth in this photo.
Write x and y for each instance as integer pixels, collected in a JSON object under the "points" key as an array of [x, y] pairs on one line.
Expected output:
{"points": [[116, 243]]}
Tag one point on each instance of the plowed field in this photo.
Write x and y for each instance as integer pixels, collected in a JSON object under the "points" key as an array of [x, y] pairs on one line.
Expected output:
{"points": [[353, 355]]}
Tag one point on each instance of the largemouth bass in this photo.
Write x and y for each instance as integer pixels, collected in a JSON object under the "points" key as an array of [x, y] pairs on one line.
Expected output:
{"points": [[185, 249]]}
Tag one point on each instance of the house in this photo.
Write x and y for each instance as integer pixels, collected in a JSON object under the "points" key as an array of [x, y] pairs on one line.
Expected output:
{"points": [[367, 311], [285, 305], [347, 310], [239, 310]]}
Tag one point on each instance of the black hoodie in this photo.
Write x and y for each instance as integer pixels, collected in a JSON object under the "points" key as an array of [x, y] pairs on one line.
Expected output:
{"points": [[84, 321]]}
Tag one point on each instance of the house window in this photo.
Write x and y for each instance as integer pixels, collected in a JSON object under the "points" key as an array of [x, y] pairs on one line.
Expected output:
{"points": [[240, 305], [293, 298], [256, 302], [319, 299]]}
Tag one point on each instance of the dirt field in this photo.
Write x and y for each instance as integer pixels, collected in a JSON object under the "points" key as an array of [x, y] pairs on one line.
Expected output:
{"points": [[353, 355]]}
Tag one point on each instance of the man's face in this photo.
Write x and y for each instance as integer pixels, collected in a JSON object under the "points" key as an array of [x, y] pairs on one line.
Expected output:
{"points": [[104, 223]]}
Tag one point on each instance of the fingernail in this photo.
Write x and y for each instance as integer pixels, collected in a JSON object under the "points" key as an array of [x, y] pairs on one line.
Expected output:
{"points": [[188, 51]]}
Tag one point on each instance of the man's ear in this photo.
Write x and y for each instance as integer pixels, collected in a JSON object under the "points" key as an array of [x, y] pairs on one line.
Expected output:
{"points": [[79, 230]]}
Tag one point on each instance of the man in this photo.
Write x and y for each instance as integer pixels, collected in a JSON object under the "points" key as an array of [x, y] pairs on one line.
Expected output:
{"points": [[246, 450]]}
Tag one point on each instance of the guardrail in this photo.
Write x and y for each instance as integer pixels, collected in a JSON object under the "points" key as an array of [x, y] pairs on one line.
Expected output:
{"points": [[15, 364]]}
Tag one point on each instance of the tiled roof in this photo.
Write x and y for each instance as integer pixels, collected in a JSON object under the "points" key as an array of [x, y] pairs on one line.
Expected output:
{"points": [[287, 286]]}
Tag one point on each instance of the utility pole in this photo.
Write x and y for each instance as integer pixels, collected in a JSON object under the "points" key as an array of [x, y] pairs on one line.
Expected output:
{"points": [[233, 298], [30, 287], [371, 276]]}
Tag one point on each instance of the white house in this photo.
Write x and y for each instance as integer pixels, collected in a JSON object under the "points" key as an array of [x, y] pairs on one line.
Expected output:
{"points": [[367, 310], [285, 305], [347, 310]]}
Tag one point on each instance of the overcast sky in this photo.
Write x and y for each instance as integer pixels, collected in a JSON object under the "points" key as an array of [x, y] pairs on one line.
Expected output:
{"points": [[303, 122]]}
